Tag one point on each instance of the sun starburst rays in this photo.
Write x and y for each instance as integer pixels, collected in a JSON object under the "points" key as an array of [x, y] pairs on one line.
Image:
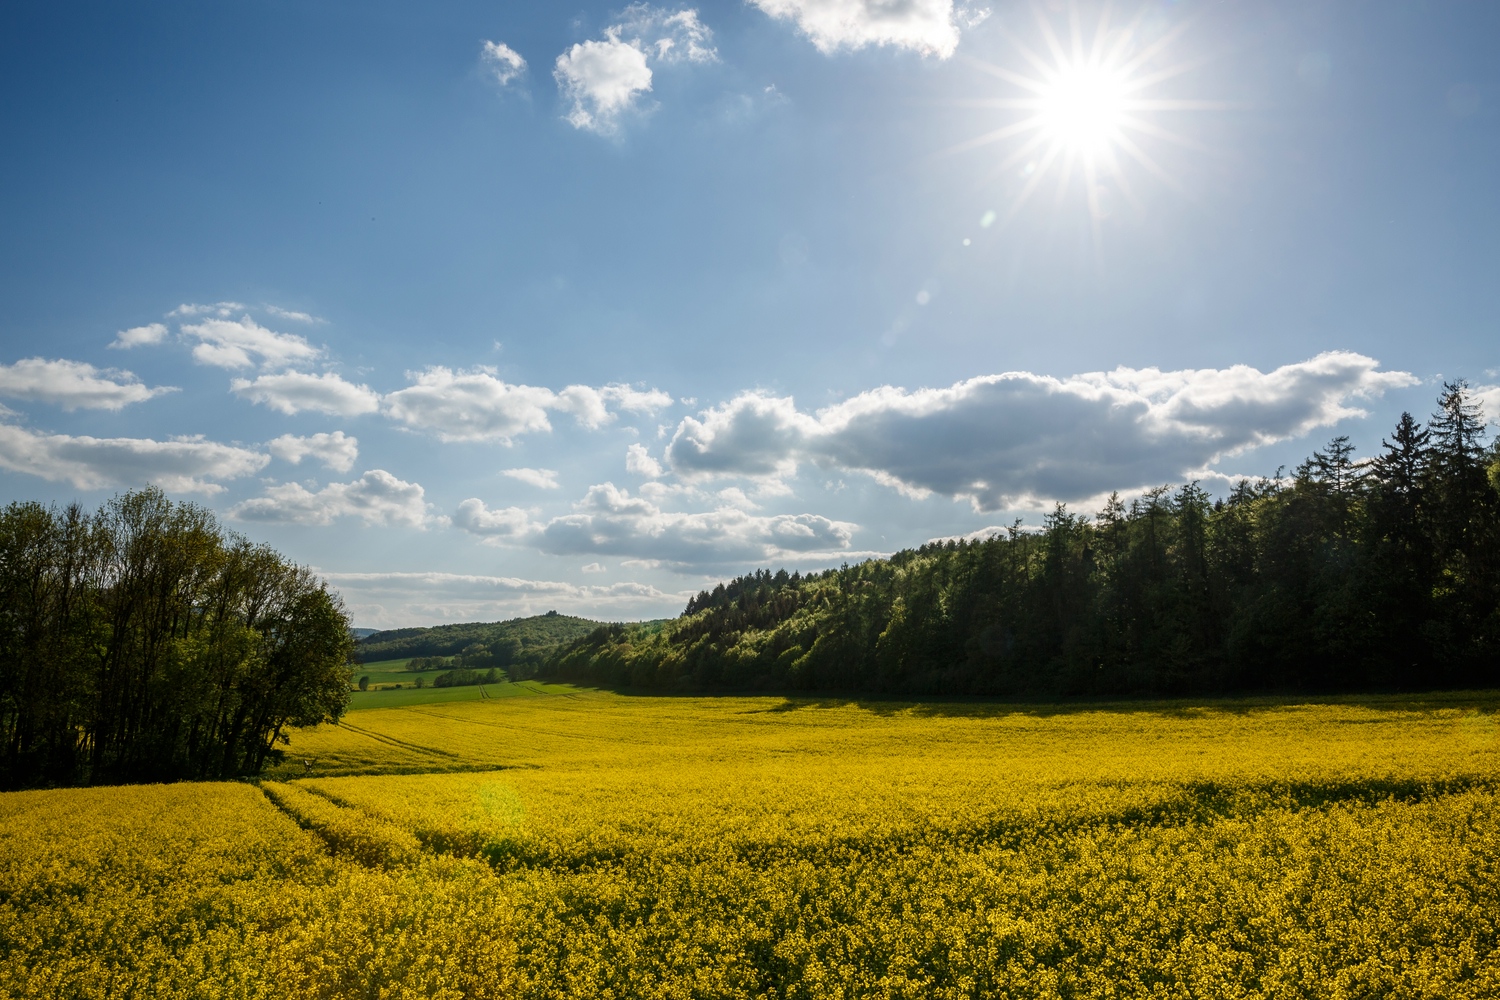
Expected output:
{"points": [[1087, 109]]}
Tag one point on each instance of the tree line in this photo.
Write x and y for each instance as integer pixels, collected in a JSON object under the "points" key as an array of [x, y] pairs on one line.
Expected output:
{"points": [[1346, 575], [142, 642]]}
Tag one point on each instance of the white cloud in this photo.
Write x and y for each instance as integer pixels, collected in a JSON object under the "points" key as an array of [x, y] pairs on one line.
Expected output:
{"points": [[1488, 396], [636, 400], [586, 404], [545, 479], [1003, 440], [667, 36], [753, 435], [395, 600], [74, 385], [603, 77], [185, 464], [639, 462], [475, 405], [139, 336], [590, 406], [609, 521], [337, 451], [504, 62], [925, 26], [477, 519], [295, 316], [376, 498], [470, 406], [735, 497], [293, 392], [190, 309], [241, 343]]}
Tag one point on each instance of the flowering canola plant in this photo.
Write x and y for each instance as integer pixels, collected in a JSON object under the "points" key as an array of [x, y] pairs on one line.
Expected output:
{"points": [[602, 846]]}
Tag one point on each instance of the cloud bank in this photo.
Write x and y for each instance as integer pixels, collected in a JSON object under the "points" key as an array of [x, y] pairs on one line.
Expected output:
{"points": [[609, 521], [393, 600], [185, 464], [1017, 438]]}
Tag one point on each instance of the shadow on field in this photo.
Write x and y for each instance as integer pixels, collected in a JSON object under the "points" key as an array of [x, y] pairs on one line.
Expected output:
{"points": [[1482, 702]]}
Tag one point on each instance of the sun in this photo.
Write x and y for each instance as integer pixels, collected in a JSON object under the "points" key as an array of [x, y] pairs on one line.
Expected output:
{"points": [[1088, 107], [1082, 108]]}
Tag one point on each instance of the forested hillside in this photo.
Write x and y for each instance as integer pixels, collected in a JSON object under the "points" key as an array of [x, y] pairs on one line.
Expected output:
{"points": [[144, 643], [1347, 575], [519, 645]]}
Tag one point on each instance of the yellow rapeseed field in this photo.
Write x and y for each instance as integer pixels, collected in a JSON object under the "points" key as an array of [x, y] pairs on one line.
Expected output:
{"points": [[602, 846]]}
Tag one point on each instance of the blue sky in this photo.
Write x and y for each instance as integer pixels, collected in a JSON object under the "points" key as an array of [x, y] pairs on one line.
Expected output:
{"points": [[486, 309]]}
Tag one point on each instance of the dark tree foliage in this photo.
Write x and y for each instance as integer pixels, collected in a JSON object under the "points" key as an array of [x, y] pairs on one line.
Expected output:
{"points": [[465, 677], [143, 643], [1345, 576]]}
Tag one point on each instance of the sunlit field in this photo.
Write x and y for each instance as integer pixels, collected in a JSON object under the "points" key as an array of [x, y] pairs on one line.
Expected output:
{"points": [[392, 685], [580, 844]]}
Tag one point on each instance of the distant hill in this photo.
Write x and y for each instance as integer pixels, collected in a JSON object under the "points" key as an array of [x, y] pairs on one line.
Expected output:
{"points": [[363, 633], [532, 635]]}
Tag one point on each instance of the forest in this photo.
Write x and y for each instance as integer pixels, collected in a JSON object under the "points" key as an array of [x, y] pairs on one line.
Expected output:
{"points": [[142, 642], [518, 646], [1347, 575]]}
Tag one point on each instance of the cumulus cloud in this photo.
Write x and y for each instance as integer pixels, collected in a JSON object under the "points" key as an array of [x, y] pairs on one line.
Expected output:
{"points": [[475, 405], [397, 599], [602, 78], [477, 519], [1003, 440], [545, 479], [185, 464], [754, 435], [294, 392], [926, 26], [244, 343], [504, 63], [590, 406], [470, 406], [140, 336], [609, 521], [639, 462], [376, 498], [337, 451], [74, 385]]}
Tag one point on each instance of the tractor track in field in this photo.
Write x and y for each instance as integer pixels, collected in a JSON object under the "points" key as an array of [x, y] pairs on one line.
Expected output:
{"points": [[401, 744]]}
